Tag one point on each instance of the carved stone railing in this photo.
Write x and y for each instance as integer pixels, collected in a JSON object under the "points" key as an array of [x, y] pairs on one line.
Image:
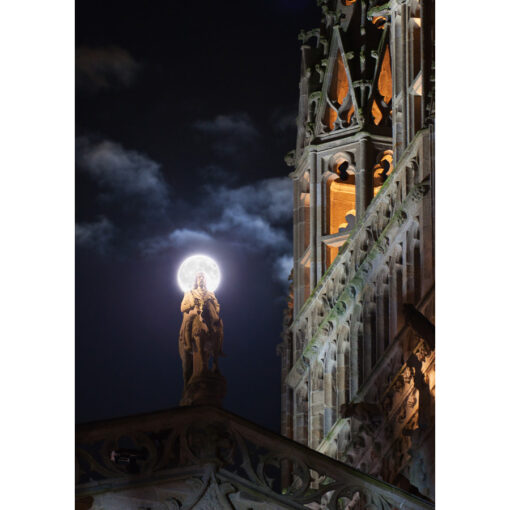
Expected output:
{"points": [[204, 457], [334, 297], [402, 387]]}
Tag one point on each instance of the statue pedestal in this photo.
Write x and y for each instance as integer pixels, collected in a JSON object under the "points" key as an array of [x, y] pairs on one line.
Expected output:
{"points": [[204, 389]]}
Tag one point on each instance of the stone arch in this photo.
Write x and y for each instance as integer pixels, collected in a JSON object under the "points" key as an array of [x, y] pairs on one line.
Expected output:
{"points": [[369, 330], [317, 373], [396, 289], [356, 351], [343, 364], [303, 221], [382, 169], [340, 108], [301, 406], [339, 197], [414, 263], [339, 158], [383, 310], [313, 103], [383, 90], [304, 207], [412, 174], [299, 341], [330, 384], [362, 249]]}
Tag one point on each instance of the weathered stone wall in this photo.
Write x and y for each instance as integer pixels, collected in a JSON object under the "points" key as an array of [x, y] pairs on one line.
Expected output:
{"points": [[205, 458], [360, 353]]}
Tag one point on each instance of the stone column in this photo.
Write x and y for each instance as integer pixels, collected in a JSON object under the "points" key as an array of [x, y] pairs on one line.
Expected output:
{"points": [[364, 177], [426, 35], [329, 393], [298, 281], [319, 218], [316, 403], [398, 36], [404, 76], [356, 351], [301, 403], [313, 220]]}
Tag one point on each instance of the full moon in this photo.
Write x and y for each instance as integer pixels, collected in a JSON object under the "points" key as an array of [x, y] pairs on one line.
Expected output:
{"points": [[196, 264]]}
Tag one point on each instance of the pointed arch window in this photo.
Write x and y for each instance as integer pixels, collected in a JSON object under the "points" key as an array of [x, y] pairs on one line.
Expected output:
{"points": [[381, 104], [340, 107], [382, 169], [340, 191], [304, 236]]}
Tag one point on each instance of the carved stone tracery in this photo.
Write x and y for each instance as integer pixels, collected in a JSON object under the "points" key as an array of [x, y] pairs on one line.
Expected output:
{"points": [[386, 239], [371, 98], [205, 458]]}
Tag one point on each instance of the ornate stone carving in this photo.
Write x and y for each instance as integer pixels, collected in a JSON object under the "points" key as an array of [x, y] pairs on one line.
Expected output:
{"points": [[419, 191], [383, 244], [365, 88], [401, 217], [205, 458], [290, 158]]}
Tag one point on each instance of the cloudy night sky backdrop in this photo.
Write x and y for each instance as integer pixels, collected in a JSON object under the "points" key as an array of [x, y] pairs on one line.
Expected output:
{"points": [[184, 113]]}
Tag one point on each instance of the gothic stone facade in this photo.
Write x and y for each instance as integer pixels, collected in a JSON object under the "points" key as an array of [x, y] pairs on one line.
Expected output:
{"points": [[204, 458], [358, 351]]}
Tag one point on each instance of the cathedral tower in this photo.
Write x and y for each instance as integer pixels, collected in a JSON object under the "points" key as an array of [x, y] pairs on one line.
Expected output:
{"points": [[358, 352]]}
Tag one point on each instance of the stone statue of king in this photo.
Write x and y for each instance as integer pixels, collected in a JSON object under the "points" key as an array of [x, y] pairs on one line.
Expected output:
{"points": [[200, 345]]}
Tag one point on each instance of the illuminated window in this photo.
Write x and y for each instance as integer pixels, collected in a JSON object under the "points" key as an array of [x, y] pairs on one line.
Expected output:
{"points": [[384, 88], [379, 21], [382, 169], [340, 205], [339, 93], [304, 228]]}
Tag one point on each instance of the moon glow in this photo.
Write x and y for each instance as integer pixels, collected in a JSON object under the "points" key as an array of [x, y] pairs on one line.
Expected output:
{"points": [[196, 264]]}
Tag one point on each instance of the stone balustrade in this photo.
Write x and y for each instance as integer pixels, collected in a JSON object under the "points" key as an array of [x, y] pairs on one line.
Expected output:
{"points": [[331, 303], [207, 457]]}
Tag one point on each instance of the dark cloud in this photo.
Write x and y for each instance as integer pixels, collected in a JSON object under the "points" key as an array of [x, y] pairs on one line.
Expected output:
{"points": [[282, 268], [103, 68], [268, 198], [252, 230], [238, 125], [127, 307], [284, 122], [253, 217], [254, 213], [217, 174], [179, 237], [229, 134], [96, 236], [123, 174]]}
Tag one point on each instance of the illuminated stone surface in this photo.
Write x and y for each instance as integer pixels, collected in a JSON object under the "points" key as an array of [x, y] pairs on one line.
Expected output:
{"points": [[358, 356], [200, 345], [206, 458]]}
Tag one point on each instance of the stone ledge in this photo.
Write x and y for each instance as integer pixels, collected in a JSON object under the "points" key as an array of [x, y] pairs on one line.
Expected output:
{"points": [[353, 289]]}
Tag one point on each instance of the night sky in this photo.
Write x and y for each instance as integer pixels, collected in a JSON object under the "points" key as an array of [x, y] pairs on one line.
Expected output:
{"points": [[184, 113]]}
